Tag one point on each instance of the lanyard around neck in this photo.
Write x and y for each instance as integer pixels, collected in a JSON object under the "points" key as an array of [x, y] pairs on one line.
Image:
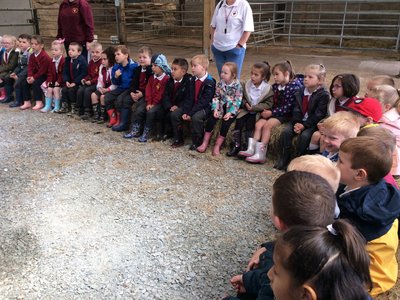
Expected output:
{"points": [[227, 17]]}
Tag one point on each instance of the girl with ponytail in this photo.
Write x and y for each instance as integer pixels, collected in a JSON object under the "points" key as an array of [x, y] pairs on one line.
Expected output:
{"points": [[321, 263]]}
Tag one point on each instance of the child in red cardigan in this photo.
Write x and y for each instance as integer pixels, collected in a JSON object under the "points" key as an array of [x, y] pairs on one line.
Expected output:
{"points": [[147, 112], [37, 73], [52, 85], [89, 82]]}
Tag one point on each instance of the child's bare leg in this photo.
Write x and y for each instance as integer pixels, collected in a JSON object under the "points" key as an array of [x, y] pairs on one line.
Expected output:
{"points": [[49, 92], [57, 98], [57, 92], [252, 141], [258, 130], [94, 98], [102, 102], [266, 130], [260, 152], [48, 100]]}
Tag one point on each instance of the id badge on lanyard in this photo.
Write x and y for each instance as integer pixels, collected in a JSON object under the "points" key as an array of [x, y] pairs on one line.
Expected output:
{"points": [[227, 30]]}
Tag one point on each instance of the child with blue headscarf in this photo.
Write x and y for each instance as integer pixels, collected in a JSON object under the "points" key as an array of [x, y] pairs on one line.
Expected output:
{"points": [[151, 110]]}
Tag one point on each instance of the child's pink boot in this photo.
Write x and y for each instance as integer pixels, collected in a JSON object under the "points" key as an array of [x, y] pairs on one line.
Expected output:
{"points": [[206, 140], [3, 94], [38, 105], [217, 147], [27, 104]]}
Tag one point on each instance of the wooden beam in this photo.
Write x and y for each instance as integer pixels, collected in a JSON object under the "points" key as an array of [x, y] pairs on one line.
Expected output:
{"points": [[122, 37], [208, 10]]}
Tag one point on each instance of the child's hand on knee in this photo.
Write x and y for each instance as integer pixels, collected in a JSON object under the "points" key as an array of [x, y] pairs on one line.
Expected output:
{"points": [[255, 259], [298, 128], [227, 116], [237, 283]]}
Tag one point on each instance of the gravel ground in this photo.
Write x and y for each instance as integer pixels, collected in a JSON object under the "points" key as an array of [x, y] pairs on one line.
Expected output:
{"points": [[85, 214]]}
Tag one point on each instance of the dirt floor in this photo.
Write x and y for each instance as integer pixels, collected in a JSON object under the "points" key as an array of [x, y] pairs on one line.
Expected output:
{"points": [[85, 214]]}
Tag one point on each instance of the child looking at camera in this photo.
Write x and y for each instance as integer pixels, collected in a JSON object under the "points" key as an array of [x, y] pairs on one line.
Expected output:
{"points": [[174, 95], [225, 106], [75, 69], [337, 128]]}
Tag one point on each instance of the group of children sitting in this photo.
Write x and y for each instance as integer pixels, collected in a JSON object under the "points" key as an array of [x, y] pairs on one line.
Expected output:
{"points": [[319, 255]]}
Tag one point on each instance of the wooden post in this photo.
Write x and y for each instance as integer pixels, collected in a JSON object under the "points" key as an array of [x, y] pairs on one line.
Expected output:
{"points": [[123, 37], [208, 10]]}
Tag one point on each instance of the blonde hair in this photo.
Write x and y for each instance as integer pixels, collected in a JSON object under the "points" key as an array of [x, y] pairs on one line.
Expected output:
{"points": [[318, 69], [59, 43], [201, 59], [382, 79], [146, 49], [233, 67], [344, 123], [96, 45], [12, 39], [386, 94], [319, 165]]}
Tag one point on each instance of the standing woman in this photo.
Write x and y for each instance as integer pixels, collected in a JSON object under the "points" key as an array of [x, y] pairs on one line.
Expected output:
{"points": [[75, 23], [231, 26]]}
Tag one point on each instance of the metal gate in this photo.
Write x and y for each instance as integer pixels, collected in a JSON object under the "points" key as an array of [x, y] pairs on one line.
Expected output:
{"points": [[17, 17]]}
